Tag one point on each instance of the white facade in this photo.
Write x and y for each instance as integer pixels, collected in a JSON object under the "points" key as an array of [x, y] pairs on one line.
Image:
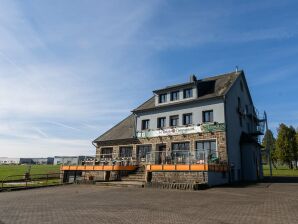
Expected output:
{"points": [[67, 160], [7, 160]]}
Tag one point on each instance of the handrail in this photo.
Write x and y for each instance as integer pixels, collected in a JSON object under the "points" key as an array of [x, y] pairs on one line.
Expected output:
{"points": [[46, 177]]}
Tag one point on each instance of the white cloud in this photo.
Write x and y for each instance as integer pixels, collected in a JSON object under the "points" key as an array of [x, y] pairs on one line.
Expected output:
{"points": [[51, 104]]}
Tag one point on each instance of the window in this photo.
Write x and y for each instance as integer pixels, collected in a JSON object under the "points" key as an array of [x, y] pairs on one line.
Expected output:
{"points": [[174, 95], [162, 98], [161, 122], [180, 146], [145, 124], [174, 120], [106, 152], [180, 152], [142, 151], [187, 93], [207, 149], [125, 151], [208, 116], [187, 119]]}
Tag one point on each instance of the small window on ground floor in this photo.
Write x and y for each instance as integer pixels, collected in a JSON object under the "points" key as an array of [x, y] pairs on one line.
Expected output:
{"points": [[142, 151], [206, 148], [180, 146], [106, 152], [125, 151], [180, 152]]}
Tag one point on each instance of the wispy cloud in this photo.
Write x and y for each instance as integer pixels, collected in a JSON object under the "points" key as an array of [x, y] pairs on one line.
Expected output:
{"points": [[71, 70], [45, 96]]}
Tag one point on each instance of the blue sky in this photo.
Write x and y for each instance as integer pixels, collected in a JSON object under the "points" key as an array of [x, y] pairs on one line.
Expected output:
{"points": [[72, 69]]}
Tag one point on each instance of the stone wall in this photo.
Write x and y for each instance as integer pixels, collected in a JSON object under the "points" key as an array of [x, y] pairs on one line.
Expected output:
{"points": [[101, 175], [180, 177], [220, 136]]}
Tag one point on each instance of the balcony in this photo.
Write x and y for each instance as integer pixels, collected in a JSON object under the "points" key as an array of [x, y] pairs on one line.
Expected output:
{"points": [[155, 161]]}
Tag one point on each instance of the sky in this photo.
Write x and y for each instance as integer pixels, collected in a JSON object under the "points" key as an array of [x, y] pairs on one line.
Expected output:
{"points": [[70, 70]]}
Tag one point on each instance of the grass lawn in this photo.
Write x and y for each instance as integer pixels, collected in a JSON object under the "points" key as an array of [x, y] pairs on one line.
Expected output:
{"points": [[280, 171], [7, 170]]}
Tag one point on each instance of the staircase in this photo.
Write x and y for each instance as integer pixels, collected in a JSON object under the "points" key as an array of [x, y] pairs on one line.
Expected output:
{"points": [[134, 179], [136, 176]]}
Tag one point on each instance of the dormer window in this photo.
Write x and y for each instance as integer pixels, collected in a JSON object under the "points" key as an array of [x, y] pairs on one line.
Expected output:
{"points": [[174, 95], [162, 98], [187, 93]]}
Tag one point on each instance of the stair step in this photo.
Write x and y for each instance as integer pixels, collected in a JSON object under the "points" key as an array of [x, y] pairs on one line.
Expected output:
{"points": [[133, 184]]}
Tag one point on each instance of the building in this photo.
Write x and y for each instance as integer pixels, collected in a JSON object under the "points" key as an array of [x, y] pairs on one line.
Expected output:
{"points": [[204, 131], [37, 161], [73, 160], [7, 161]]}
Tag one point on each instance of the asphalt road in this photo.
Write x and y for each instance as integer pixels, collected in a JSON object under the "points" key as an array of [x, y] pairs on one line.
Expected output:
{"points": [[262, 203]]}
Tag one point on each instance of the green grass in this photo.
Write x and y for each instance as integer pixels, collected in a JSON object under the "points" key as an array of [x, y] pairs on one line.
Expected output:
{"points": [[280, 171], [8, 170]]}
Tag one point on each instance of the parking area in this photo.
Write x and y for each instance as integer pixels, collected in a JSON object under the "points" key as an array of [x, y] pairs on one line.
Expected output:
{"points": [[261, 203]]}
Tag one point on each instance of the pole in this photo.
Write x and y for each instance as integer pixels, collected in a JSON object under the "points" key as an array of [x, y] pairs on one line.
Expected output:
{"points": [[268, 149]]}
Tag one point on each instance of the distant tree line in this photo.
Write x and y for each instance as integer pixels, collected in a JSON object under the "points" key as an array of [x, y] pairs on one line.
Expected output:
{"points": [[283, 149]]}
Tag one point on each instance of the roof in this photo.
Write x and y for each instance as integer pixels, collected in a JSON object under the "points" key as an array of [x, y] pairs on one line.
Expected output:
{"points": [[125, 129], [208, 88], [172, 87]]}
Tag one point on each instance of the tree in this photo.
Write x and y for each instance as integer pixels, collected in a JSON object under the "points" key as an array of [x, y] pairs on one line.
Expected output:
{"points": [[268, 143], [286, 145]]}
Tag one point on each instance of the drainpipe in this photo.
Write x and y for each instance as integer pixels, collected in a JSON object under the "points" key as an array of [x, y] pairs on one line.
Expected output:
{"points": [[95, 150], [226, 130]]}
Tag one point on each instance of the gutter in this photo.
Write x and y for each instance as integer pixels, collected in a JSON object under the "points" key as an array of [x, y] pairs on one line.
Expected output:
{"points": [[176, 104]]}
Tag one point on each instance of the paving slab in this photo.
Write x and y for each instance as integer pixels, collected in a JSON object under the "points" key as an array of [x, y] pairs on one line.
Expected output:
{"points": [[261, 203]]}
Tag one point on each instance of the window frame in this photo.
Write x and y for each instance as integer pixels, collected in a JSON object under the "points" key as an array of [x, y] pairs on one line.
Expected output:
{"points": [[177, 95], [171, 119], [127, 149], [162, 98], [184, 119], [143, 155], [185, 96], [105, 149], [159, 122], [204, 117], [210, 150], [145, 121]]}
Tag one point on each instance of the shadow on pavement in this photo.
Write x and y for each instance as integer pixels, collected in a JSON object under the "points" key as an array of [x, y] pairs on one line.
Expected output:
{"points": [[280, 180], [266, 182]]}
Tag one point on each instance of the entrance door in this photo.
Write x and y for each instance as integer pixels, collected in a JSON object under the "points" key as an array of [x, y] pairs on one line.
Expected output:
{"points": [[160, 155]]}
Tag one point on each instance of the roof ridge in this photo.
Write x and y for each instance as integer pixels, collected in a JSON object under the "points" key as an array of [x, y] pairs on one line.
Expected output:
{"points": [[115, 126], [222, 74]]}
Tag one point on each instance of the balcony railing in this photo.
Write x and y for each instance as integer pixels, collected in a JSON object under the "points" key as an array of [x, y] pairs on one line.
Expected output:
{"points": [[160, 157], [115, 159], [181, 157]]}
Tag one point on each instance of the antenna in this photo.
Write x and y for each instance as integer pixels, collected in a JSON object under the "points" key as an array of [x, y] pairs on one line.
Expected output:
{"points": [[236, 68]]}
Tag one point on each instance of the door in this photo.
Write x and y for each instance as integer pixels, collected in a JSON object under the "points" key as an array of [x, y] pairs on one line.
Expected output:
{"points": [[160, 155]]}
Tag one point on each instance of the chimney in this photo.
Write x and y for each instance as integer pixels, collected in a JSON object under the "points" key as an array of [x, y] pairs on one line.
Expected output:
{"points": [[192, 78]]}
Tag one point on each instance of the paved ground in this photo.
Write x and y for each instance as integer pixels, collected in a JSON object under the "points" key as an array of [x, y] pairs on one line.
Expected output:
{"points": [[263, 203]]}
